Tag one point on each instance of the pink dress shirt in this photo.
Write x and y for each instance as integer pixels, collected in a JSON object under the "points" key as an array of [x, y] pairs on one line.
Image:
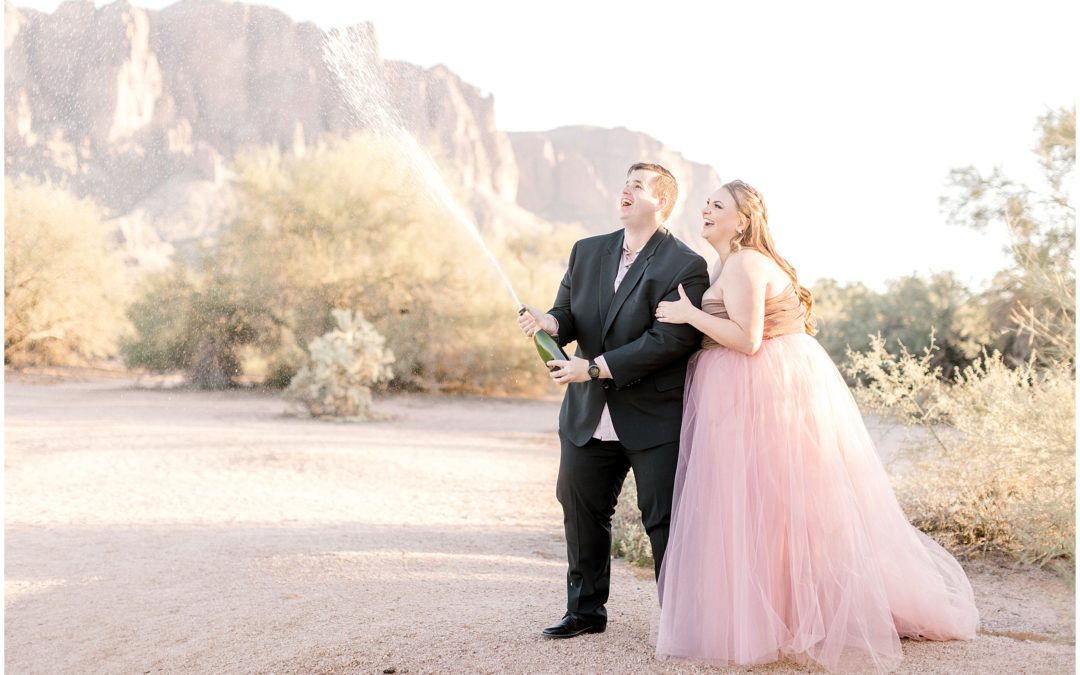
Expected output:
{"points": [[605, 430]]}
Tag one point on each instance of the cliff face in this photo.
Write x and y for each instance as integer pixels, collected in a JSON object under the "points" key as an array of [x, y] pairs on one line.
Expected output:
{"points": [[143, 110]]}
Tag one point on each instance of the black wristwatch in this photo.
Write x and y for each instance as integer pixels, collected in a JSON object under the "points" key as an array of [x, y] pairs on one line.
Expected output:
{"points": [[594, 370]]}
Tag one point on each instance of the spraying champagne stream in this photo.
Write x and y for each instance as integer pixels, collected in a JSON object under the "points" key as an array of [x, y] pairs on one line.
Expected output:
{"points": [[351, 56], [352, 59]]}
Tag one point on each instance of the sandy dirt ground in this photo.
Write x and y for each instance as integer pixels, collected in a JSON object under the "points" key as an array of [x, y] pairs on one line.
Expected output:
{"points": [[175, 531]]}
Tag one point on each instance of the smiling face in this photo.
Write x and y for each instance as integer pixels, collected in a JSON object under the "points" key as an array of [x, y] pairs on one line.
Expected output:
{"points": [[637, 203], [721, 218]]}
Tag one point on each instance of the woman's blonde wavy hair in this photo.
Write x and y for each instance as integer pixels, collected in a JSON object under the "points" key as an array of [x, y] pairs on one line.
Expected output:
{"points": [[755, 235]]}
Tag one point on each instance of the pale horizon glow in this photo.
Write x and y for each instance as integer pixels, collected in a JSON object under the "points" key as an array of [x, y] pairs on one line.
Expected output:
{"points": [[847, 116]]}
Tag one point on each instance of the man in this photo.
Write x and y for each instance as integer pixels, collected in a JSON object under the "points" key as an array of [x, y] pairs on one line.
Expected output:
{"points": [[624, 387]]}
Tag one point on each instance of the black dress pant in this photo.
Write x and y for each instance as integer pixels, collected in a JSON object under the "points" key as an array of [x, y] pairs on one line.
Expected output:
{"points": [[590, 480]]}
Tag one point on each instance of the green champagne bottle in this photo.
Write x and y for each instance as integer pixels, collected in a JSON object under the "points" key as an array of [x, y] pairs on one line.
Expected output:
{"points": [[548, 349], [546, 346]]}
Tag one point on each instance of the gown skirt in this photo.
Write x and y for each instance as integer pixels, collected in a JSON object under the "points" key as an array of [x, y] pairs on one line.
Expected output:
{"points": [[786, 538]]}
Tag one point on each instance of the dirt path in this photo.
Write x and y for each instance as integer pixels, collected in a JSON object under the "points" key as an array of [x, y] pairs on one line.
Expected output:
{"points": [[176, 531]]}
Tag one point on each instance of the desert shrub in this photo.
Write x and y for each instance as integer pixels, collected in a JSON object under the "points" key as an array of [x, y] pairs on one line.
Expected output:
{"points": [[194, 323], [342, 367], [346, 225], [908, 311], [998, 469], [628, 537], [1029, 308], [159, 315], [1033, 300], [64, 286], [317, 234], [996, 472]]}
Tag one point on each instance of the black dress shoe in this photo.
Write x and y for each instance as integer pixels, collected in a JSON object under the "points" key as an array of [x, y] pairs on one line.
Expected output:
{"points": [[573, 625]]}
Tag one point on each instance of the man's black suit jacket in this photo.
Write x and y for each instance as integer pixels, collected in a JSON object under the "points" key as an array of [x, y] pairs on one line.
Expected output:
{"points": [[647, 359]]}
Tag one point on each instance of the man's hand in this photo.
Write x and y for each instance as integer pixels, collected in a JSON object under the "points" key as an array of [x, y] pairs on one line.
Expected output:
{"points": [[679, 311], [533, 319], [565, 372]]}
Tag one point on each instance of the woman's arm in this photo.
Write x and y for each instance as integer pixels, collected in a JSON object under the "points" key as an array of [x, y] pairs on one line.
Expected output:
{"points": [[745, 281]]}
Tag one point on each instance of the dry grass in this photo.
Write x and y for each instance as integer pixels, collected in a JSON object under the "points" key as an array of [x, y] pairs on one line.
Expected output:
{"points": [[996, 473]]}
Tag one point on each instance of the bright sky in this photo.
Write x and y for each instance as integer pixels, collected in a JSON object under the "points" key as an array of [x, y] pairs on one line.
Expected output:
{"points": [[846, 115]]}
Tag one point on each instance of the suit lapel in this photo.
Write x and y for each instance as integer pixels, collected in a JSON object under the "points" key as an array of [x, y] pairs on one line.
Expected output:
{"points": [[633, 276], [609, 266]]}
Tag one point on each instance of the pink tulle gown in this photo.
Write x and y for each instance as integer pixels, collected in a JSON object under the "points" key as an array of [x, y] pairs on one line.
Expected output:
{"points": [[786, 538]]}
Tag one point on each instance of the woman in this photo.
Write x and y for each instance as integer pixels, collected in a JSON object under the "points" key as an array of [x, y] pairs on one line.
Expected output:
{"points": [[786, 538]]}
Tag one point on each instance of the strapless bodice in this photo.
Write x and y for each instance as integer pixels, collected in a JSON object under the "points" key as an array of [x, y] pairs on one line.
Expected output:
{"points": [[784, 315]]}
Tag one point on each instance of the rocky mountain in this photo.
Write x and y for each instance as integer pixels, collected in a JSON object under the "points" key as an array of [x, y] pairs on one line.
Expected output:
{"points": [[143, 110], [574, 174]]}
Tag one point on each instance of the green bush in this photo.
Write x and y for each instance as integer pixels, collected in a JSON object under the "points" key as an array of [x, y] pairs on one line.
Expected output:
{"points": [[908, 312], [193, 323]]}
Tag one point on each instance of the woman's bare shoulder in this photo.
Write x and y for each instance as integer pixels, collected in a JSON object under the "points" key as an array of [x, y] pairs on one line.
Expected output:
{"points": [[748, 258], [751, 263]]}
